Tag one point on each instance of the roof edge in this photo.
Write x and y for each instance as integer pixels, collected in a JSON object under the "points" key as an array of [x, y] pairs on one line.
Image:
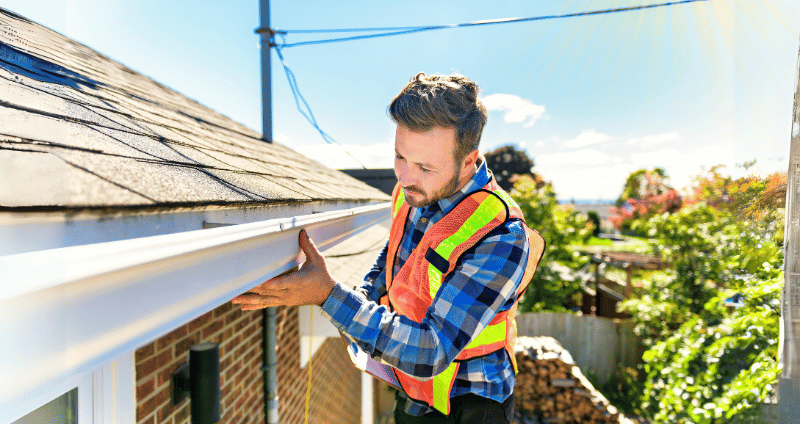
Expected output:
{"points": [[34, 229]]}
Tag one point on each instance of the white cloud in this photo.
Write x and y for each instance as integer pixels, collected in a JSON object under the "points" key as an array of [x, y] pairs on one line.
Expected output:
{"points": [[584, 157], [584, 174], [656, 139], [550, 141], [586, 182], [601, 173], [517, 109], [682, 166], [586, 138]]}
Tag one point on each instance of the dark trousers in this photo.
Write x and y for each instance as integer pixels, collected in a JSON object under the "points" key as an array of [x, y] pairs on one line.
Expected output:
{"points": [[464, 409]]}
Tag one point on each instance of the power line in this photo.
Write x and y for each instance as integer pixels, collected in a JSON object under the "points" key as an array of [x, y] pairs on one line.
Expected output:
{"points": [[392, 31], [309, 115]]}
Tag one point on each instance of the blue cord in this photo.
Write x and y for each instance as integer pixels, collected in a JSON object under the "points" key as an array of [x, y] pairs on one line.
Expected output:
{"points": [[391, 31], [298, 97]]}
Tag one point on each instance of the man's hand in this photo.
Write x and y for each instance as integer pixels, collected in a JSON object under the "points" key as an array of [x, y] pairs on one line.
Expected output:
{"points": [[310, 285]]}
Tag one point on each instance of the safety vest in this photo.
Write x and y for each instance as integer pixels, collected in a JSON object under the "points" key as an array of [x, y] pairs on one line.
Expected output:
{"points": [[413, 289]]}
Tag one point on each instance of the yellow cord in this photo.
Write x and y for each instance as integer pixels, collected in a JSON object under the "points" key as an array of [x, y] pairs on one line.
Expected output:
{"points": [[310, 354]]}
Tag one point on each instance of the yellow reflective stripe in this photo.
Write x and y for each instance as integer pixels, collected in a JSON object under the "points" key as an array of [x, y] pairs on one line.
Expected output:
{"points": [[401, 196], [486, 211], [434, 279], [513, 341], [507, 197], [441, 388], [491, 334]]}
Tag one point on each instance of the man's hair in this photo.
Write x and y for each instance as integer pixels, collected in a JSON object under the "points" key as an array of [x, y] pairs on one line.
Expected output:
{"points": [[429, 101]]}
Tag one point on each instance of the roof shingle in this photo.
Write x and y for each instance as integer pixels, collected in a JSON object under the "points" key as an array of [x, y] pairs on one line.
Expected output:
{"points": [[79, 130]]}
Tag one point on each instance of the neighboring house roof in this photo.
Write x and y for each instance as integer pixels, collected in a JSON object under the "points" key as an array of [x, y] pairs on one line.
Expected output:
{"points": [[381, 178], [603, 209], [79, 130]]}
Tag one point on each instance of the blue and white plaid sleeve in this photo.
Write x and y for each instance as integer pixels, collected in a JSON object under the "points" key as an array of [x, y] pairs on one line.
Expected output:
{"points": [[484, 282], [374, 285]]}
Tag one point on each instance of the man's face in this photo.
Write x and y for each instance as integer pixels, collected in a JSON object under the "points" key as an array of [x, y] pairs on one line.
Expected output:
{"points": [[424, 164]]}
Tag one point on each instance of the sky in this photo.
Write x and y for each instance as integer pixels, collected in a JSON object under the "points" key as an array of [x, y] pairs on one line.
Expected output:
{"points": [[590, 99]]}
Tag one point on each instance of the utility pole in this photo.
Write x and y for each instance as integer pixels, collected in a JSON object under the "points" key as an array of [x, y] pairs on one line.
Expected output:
{"points": [[267, 35], [789, 385], [269, 320]]}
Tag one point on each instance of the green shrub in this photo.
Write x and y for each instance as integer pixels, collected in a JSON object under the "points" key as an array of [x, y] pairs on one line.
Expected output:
{"points": [[560, 227]]}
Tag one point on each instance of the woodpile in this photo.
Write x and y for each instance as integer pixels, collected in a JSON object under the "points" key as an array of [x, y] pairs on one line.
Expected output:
{"points": [[551, 388]]}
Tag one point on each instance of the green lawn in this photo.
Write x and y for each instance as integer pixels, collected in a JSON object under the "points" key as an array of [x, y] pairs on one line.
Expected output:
{"points": [[629, 244], [597, 241]]}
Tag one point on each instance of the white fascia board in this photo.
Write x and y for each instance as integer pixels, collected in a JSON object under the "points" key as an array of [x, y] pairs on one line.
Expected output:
{"points": [[23, 232], [67, 311], [313, 332]]}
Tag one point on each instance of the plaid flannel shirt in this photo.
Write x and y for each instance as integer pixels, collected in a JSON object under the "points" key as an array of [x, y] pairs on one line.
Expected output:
{"points": [[484, 282]]}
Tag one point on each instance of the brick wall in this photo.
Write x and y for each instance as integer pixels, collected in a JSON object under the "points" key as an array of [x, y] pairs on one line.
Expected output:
{"points": [[335, 382], [239, 335], [335, 385]]}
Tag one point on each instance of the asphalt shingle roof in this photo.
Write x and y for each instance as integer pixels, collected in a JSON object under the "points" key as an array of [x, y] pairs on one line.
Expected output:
{"points": [[350, 260], [78, 130]]}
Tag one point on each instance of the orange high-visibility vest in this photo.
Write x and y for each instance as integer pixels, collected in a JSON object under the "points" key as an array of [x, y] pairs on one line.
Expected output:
{"points": [[412, 290]]}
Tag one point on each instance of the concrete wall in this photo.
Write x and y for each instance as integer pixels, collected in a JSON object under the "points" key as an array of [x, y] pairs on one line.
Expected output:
{"points": [[596, 344]]}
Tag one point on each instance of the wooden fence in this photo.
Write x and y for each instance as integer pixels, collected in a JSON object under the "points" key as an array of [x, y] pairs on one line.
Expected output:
{"points": [[597, 344]]}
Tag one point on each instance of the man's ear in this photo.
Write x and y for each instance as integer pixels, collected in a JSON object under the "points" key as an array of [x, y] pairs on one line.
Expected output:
{"points": [[469, 161]]}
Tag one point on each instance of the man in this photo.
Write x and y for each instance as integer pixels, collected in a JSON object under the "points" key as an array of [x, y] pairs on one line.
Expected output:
{"points": [[438, 306]]}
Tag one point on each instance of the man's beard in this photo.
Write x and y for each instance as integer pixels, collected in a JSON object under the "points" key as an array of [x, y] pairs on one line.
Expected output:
{"points": [[446, 191]]}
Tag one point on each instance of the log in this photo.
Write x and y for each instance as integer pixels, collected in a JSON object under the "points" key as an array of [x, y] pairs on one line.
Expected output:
{"points": [[552, 389]]}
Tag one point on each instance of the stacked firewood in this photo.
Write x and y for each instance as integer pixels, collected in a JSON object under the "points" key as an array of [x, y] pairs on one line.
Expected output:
{"points": [[551, 388]]}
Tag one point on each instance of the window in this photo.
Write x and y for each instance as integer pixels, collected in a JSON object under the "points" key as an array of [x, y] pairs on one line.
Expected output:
{"points": [[105, 395], [61, 410]]}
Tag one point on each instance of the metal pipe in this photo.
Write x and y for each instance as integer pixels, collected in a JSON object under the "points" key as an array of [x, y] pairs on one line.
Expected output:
{"points": [[270, 339], [269, 326], [270, 366], [266, 72]]}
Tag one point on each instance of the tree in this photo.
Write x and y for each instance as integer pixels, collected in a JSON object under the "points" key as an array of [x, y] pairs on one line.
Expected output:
{"points": [[643, 183], [561, 227], [751, 197], [507, 161], [595, 218], [646, 194]]}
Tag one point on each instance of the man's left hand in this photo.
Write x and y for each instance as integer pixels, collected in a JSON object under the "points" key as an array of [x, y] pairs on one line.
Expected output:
{"points": [[310, 285]]}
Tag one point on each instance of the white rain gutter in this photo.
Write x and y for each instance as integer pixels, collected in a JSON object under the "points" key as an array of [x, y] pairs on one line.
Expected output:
{"points": [[23, 232], [67, 311]]}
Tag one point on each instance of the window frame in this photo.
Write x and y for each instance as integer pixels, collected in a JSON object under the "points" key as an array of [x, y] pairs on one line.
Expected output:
{"points": [[106, 395]]}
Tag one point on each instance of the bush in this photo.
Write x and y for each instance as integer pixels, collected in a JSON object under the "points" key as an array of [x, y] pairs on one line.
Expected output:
{"points": [[706, 361], [716, 366], [560, 228]]}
